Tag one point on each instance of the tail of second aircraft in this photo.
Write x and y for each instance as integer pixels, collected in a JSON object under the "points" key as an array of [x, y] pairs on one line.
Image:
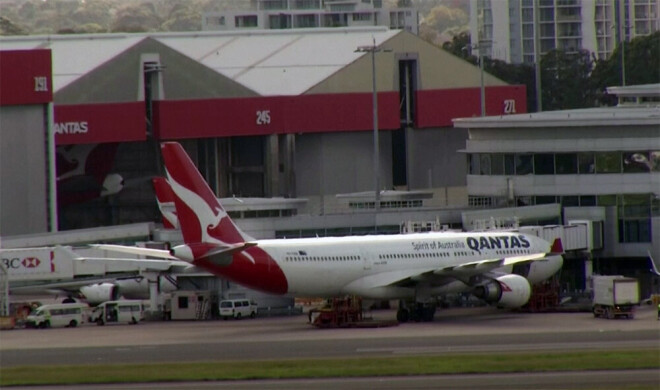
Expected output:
{"points": [[201, 217], [165, 200]]}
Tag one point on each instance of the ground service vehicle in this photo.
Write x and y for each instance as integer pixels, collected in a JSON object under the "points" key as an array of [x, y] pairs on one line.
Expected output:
{"points": [[117, 312], [615, 295], [57, 315], [237, 308]]}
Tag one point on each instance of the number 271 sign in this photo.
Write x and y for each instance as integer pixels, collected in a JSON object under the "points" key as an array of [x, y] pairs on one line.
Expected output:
{"points": [[509, 106]]}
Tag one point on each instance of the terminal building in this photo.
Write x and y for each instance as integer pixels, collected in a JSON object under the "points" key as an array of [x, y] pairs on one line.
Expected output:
{"points": [[598, 164]]}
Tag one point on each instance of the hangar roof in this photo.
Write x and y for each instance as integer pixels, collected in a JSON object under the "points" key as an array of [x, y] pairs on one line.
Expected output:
{"points": [[269, 62]]}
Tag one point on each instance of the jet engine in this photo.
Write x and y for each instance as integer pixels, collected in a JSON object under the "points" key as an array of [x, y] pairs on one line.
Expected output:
{"points": [[192, 252], [508, 291], [100, 292], [183, 252]]}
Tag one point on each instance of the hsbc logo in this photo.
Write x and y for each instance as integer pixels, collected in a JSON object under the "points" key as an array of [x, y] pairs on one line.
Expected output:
{"points": [[71, 128], [16, 263], [31, 262]]}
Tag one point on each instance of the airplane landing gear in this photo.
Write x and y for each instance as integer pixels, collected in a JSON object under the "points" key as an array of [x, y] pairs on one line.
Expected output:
{"points": [[420, 312]]}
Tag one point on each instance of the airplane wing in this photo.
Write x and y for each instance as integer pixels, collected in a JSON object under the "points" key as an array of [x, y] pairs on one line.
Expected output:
{"points": [[138, 264], [161, 253], [64, 286]]}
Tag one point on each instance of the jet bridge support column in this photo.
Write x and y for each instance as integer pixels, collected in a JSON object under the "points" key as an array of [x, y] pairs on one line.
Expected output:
{"points": [[155, 299], [588, 273]]}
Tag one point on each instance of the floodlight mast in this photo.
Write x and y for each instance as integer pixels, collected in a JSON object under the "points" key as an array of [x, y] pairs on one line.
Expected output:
{"points": [[373, 49]]}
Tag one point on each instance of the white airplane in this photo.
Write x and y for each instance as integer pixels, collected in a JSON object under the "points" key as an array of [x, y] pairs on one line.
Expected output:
{"points": [[411, 266]]}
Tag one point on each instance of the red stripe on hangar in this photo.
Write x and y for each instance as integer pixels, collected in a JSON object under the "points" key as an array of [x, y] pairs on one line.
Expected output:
{"points": [[25, 77], [273, 115], [437, 108], [99, 123]]}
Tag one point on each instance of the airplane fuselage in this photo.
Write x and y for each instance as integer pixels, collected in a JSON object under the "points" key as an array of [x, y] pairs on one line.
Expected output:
{"points": [[333, 266]]}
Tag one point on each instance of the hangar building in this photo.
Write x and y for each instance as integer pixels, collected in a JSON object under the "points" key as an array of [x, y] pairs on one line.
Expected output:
{"points": [[263, 113]]}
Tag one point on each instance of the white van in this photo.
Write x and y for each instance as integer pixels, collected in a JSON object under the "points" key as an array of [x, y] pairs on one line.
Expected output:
{"points": [[57, 315], [237, 308], [118, 312]]}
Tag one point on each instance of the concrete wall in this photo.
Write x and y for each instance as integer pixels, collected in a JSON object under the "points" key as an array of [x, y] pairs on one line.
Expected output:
{"points": [[23, 170], [340, 163], [433, 158]]}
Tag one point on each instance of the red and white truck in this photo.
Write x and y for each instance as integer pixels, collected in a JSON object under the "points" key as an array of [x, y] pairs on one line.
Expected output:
{"points": [[615, 295]]}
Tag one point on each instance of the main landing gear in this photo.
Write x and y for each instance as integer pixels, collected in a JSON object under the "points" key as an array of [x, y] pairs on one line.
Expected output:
{"points": [[418, 312]]}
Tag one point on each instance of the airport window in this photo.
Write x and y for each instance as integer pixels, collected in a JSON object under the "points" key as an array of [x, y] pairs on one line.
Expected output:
{"points": [[523, 164], [544, 164], [608, 162], [524, 201], [484, 164], [634, 212], [509, 164], [480, 201], [586, 163], [566, 163], [635, 162], [246, 21], [473, 162], [606, 200], [587, 200], [570, 201], [497, 164], [634, 230], [361, 16], [550, 199]]}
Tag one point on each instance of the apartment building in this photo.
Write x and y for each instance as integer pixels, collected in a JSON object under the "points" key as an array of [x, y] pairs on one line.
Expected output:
{"points": [[292, 14], [505, 28]]}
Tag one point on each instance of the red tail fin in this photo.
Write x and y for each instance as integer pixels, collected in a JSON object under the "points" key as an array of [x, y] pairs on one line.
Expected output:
{"points": [[165, 200], [202, 218], [557, 248]]}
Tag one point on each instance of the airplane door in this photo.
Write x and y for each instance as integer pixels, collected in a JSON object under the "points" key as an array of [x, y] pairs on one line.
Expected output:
{"points": [[366, 259]]}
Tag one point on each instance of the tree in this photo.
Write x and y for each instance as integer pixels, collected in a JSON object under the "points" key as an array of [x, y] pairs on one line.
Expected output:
{"points": [[515, 74], [7, 27], [443, 18], [642, 59], [183, 19], [136, 18], [459, 45], [565, 80]]}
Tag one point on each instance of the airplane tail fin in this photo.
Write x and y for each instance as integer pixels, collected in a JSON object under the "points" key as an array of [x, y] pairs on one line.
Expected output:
{"points": [[165, 200], [557, 248], [201, 217]]}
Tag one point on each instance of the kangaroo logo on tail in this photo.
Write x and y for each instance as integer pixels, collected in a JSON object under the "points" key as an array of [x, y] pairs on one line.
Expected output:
{"points": [[201, 217]]}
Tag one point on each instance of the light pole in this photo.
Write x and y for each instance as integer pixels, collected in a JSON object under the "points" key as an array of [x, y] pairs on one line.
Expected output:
{"points": [[482, 95], [373, 49]]}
